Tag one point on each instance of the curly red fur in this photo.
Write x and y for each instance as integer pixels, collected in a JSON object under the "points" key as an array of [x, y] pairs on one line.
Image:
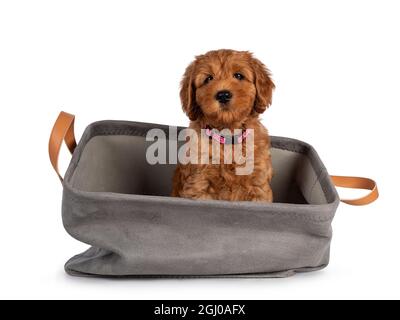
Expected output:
{"points": [[250, 97]]}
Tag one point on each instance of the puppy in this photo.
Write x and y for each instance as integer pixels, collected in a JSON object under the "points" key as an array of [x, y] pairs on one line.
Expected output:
{"points": [[226, 89]]}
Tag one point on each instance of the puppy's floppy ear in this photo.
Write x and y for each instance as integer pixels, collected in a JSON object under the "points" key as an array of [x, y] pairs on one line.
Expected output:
{"points": [[188, 94], [264, 85]]}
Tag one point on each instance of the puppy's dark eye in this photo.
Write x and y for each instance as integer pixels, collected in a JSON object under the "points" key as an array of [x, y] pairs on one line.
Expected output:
{"points": [[208, 79], [238, 76]]}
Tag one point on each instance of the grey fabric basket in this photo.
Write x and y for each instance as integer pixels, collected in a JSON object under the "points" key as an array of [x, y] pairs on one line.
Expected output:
{"points": [[119, 204]]}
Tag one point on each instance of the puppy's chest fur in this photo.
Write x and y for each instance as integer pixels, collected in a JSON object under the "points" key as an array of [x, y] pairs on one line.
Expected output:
{"points": [[221, 181]]}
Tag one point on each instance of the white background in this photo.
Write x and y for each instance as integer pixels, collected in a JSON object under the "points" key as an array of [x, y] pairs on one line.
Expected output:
{"points": [[336, 68]]}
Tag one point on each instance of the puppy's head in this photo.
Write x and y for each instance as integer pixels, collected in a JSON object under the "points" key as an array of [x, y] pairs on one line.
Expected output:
{"points": [[225, 86]]}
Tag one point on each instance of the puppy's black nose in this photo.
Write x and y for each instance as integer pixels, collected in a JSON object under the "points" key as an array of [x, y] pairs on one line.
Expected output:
{"points": [[223, 96]]}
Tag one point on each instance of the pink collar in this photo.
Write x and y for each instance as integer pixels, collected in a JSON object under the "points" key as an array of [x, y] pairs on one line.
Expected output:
{"points": [[235, 139]]}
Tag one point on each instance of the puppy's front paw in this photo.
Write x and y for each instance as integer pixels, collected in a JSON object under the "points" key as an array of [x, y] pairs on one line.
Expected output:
{"points": [[204, 196], [260, 195]]}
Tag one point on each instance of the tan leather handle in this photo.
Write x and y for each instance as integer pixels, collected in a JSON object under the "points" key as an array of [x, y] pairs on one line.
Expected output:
{"points": [[357, 183], [63, 130]]}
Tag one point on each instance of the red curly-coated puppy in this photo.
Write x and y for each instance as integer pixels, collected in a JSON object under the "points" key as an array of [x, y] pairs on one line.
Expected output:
{"points": [[227, 89]]}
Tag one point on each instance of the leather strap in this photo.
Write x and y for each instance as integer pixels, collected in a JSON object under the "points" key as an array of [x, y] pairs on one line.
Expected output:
{"points": [[357, 183], [63, 130]]}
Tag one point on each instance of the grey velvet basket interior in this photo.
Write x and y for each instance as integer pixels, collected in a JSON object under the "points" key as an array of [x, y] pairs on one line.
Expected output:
{"points": [[117, 163]]}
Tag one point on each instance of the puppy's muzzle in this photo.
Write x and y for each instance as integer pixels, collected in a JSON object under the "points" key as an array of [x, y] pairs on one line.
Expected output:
{"points": [[223, 96]]}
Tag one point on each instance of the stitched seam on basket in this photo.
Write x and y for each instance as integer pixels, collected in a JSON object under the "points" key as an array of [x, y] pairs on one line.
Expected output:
{"points": [[324, 186], [318, 176], [245, 275], [130, 132], [296, 215], [288, 149]]}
